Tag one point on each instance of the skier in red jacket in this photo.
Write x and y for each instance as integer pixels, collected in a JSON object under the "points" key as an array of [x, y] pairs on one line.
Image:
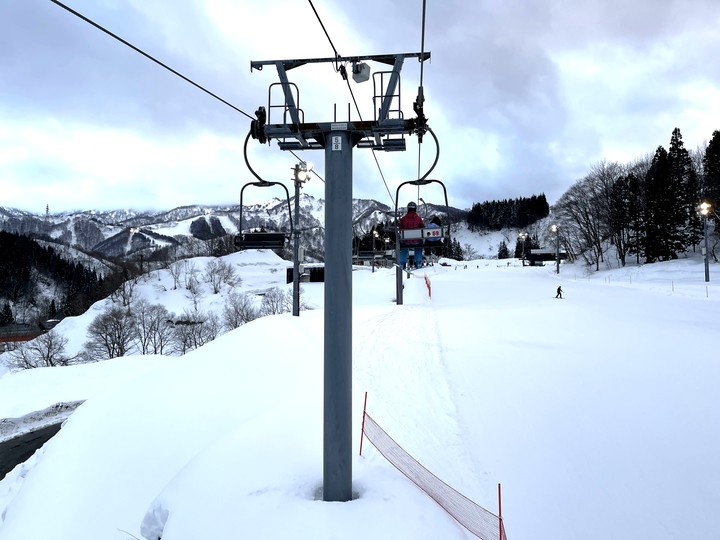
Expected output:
{"points": [[411, 220]]}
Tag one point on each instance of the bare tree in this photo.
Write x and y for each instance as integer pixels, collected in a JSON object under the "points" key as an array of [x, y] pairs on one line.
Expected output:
{"points": [[218, 272], [469, 252], [238, 310], [176, 271], [194, 329], [275, 301], [110, 335], [584, 212], [124, 293], [153, 328], [46, 350], [194, 247]]}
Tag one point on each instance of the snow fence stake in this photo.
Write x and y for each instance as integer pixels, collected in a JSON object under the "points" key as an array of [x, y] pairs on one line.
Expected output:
{"points": [[362, 428], [429, 287]]}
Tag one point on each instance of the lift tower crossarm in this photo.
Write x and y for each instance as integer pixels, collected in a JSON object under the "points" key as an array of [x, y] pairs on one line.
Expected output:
{"points": [[382, 58], [304, 133]]}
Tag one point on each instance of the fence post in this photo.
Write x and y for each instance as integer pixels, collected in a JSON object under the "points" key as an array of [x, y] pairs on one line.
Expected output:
{"points": [[362, 429], [500, 513]]}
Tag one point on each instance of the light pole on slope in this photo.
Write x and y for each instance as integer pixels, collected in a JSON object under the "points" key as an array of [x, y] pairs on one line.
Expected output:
{"points": [[704, 210]]}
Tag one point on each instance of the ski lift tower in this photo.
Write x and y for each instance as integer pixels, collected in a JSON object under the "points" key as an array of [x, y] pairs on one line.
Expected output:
{"points": [[337, 139]]}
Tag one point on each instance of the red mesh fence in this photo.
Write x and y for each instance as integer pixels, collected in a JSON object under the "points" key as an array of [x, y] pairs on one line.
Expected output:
{"points": [[480, 522]]}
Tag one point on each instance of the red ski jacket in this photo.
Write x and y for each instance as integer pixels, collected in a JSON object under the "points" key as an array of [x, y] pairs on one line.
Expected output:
{"points": [[411, 220]]}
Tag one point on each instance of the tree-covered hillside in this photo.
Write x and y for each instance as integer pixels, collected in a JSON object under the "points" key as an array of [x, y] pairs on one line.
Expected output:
{"points": [[508, 213], [649, 209], [36, 283]]}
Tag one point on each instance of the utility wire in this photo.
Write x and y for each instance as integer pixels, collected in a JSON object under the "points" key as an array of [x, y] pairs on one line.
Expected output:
{"points": [[146, 55]]}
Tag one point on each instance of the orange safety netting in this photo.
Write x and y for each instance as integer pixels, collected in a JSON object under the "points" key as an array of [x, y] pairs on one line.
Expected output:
{"points": [[476, 519]]}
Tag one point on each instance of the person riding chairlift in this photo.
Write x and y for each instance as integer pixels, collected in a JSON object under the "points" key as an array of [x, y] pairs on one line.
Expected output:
{"points": [[411, 220]]}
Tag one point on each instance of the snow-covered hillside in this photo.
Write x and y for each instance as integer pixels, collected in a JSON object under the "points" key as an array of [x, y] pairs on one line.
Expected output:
{"points": [[592, 411]]}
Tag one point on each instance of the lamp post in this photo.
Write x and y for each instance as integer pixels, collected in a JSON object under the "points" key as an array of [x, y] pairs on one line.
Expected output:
{"points": [[375, 237], [554, 229], [704, 209], [523, 236], [301, 175], [424, 212]]}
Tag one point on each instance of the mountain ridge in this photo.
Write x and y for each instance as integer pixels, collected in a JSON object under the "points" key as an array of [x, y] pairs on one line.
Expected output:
{"points": [[128, 233]]}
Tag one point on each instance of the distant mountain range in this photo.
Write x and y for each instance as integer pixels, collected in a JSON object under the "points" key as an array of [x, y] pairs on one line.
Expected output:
{"points": [[129, 234]]}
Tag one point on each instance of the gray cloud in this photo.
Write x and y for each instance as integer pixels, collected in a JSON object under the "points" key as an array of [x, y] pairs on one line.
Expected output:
{"points": [[524, 96]]}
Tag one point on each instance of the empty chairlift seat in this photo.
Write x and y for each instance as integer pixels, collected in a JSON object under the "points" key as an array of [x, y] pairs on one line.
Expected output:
{"points": [[260, 240]]}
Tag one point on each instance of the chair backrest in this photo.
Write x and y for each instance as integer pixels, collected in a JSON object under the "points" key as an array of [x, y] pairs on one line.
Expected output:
{"points": [[422, 236], [260, 240]]}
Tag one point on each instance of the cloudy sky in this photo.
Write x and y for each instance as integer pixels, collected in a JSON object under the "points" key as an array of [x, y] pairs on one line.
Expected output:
{"points": [[523, 95]]}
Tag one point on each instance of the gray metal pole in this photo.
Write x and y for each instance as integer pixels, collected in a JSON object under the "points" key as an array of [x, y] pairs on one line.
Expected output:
{"points": [[337, 422], [557, 251], [707, 253], [296, 252], [398, 270]]}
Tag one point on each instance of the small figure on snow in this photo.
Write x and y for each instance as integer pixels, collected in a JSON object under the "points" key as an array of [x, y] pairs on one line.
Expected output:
{"points": [[559, 293]]}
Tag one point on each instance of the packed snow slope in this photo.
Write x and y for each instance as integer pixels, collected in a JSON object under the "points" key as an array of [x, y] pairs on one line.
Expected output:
{"points": [[597, 413]]}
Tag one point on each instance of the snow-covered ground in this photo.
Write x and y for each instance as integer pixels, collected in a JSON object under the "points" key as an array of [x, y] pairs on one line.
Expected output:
{"points": [[597, 413]]}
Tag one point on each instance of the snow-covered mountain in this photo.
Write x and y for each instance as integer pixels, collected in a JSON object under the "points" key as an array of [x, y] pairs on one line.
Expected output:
{"points": [[126, 233]]}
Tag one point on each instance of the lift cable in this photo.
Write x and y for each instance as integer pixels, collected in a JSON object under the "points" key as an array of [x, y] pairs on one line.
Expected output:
{"points": [[324, 30], [343, 72], [146, 55], [421, 96], [422, 44]]}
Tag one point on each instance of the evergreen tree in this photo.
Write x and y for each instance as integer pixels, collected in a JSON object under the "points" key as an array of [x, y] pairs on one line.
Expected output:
{"points": [[503, 252], [456, 251], [508, 213], [665, 218], [711, 169], [6, 315], [683, 179]]}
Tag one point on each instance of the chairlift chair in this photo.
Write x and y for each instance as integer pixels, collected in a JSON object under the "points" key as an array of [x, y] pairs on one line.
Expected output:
{"points": [[263, 240], [430, 236], [434, 237]]}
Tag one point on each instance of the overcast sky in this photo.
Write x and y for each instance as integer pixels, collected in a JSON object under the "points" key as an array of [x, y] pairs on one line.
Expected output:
{"points": [[524, 96]]}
